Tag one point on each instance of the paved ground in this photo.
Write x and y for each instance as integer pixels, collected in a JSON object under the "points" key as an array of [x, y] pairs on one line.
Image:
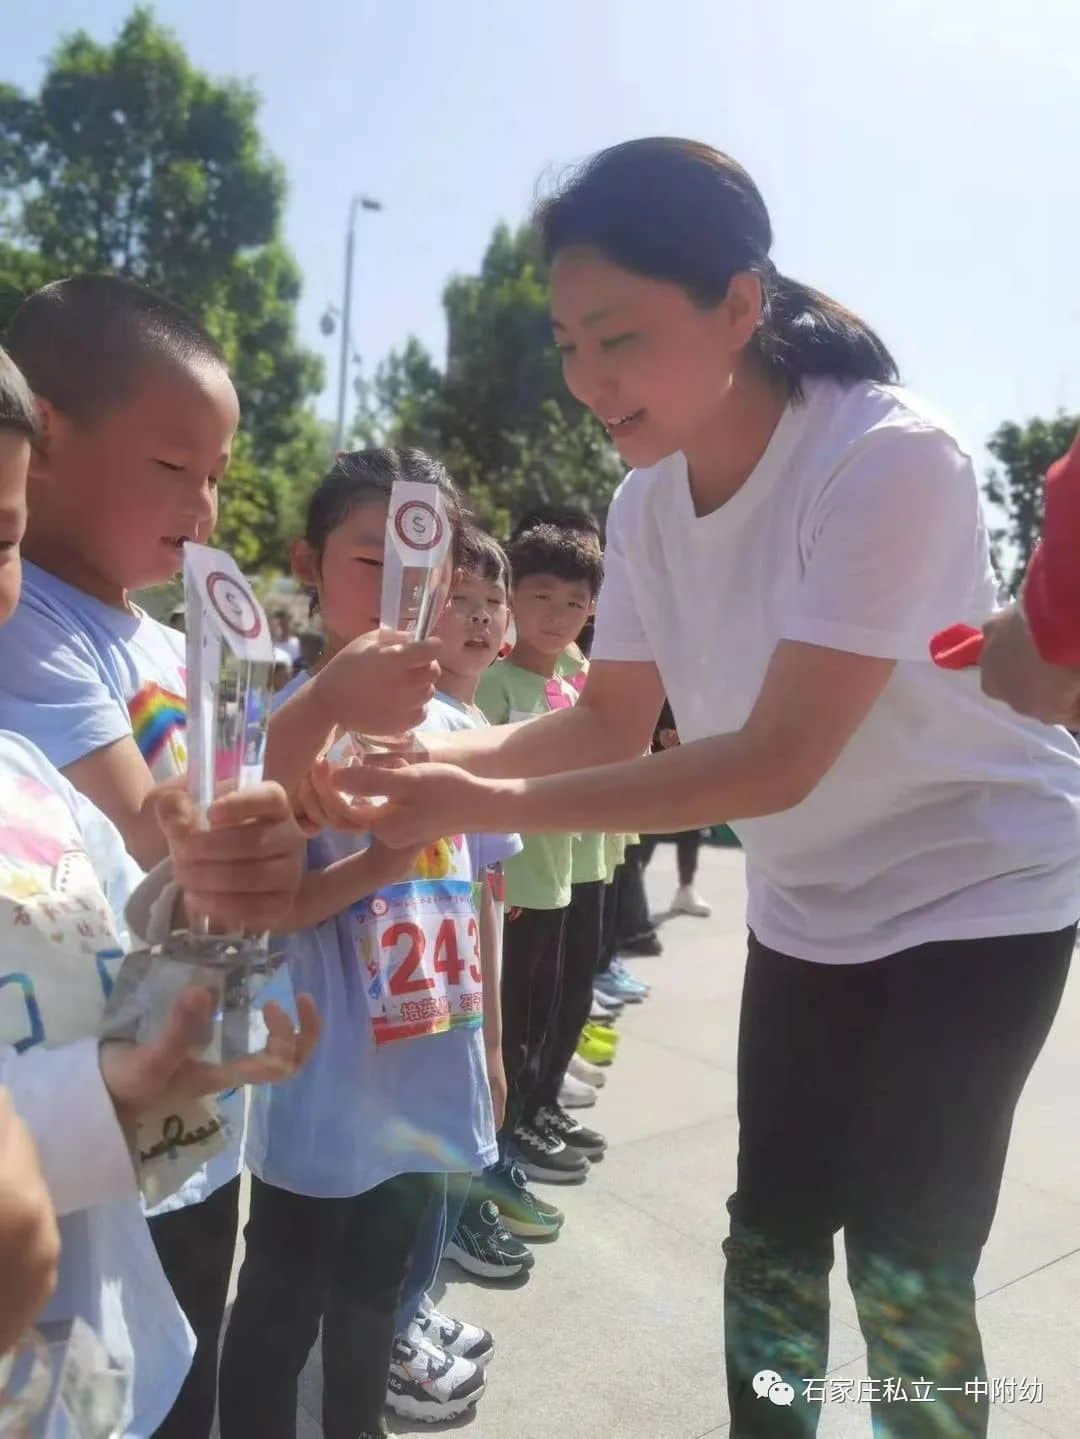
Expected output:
{"points": [[617, 1333]]}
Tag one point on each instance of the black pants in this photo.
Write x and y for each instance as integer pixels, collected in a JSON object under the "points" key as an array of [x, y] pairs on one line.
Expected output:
{"points": [[633, 920], [877, 1098], [534, 942], [196, 1246], [341, 1261], [581, 956], [687, 845]]}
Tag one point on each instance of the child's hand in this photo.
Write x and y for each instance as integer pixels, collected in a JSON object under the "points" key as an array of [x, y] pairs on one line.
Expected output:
{"points": [[496, 1074], [380, 684], [29, 1238], [142, 1076], [319, 804], [244, 870]]}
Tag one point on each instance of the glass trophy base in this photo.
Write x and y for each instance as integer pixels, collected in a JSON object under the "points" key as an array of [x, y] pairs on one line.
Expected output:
{"points": [[352, 749], [236, 969], [59, 1382]]}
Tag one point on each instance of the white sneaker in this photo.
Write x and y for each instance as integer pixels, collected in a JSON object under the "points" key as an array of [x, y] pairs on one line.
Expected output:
{"points": [[454, 1336], [575, 1093], [427, 1384], [688, 901], [589, 1073]]}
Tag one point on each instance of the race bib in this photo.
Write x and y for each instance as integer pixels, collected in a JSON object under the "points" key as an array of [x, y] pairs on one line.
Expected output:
{"points": [[419, 945]]}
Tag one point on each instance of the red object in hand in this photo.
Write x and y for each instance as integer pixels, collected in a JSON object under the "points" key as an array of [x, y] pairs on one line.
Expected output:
{"points": [[957, 648]]}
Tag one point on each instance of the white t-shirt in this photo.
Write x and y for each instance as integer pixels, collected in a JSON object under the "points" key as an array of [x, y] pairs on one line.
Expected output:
{"points": [[64, 880], [946, 816], [77, 674]]}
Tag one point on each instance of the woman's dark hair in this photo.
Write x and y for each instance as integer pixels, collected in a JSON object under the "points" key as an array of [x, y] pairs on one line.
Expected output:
{"points": [[360, 477], [17, 410], [680, 211]]}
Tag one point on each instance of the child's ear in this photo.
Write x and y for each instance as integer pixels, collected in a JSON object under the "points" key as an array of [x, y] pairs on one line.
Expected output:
{"points": [[49, 421], [305, 565]]}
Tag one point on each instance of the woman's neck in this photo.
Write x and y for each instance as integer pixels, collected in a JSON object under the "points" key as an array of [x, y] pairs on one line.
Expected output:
{"points": [[724, 454]]}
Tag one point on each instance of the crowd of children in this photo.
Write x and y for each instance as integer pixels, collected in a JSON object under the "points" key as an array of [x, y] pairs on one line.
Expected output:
{"points": [[466, 992]]}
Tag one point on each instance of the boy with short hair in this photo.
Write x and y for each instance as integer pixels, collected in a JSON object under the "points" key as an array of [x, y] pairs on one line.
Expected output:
{"points": [[548, 964], [137, 415]]}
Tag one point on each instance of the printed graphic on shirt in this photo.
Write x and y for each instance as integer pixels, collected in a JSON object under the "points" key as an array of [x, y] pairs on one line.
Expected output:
{"points": [[159, 724], [419, 944], [60, 946]]}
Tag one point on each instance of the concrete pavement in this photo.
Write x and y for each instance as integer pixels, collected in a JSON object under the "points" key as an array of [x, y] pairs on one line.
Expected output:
{"points": [[617, 1332]]}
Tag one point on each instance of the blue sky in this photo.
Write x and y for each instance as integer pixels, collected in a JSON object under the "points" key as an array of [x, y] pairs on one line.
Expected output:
{"points": [[919, 157]]}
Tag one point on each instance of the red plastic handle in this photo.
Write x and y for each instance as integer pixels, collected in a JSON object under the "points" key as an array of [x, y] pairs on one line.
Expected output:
{"points": [[957, 648]]}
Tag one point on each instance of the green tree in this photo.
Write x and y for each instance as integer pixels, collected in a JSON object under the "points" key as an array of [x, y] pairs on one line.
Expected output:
{"points": [[1024, 454], [130, 160], [499, 415]]}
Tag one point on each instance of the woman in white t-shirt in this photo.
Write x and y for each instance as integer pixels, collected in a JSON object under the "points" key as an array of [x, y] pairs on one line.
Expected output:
{"points": [[793, 532]]}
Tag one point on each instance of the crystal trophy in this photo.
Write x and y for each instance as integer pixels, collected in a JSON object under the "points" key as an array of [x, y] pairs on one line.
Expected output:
{"points": [[229, 667], [59, 1382], [418, 569]]}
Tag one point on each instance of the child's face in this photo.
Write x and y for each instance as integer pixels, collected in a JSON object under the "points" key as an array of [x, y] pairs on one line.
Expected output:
{"points": [[549, 612], [14, 459], [472, 627], [124, 492], [347, 577]]}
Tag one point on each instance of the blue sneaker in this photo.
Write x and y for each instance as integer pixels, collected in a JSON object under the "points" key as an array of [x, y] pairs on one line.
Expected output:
{"points": [[610, 984], [622, 969]]}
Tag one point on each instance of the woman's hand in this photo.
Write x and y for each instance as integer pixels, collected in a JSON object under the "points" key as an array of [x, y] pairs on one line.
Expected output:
{"points": [[244, 870], [29, 1238], [380, 684], [145, 1076], [424, 802]]}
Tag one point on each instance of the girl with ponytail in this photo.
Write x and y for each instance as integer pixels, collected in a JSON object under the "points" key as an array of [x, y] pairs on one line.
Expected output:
{"points": [[793, 531]]}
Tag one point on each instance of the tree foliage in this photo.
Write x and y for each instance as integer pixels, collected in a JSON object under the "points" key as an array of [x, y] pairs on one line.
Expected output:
{"points": [[1024, 454], [499, 415], [131, 160]]}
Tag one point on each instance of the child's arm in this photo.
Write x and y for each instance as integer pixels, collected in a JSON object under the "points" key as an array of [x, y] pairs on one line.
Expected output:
{"points": [[490, 946], [326, 892], [117, 780]]}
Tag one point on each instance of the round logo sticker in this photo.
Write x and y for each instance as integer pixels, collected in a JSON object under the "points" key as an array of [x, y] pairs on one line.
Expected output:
{"points": [[418, 525], [233, 605], [379, 906]]}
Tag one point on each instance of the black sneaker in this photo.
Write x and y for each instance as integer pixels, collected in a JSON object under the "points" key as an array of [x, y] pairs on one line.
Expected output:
{"points": [[480, 1244], [545, 1157], [647, 944], [521, 1212], [554, 1120]]}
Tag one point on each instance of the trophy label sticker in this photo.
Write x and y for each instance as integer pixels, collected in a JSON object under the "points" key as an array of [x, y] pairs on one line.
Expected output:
{"points": [[418, 524], [233, 605]]}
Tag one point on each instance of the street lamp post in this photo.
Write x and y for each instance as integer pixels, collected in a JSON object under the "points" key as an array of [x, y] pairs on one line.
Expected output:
{"points": [[361, 202]]}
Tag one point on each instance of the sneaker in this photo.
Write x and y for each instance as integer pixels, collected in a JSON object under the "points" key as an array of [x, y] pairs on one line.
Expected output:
{"points": [[688, 901], [575, 1093], [647, 944], [606, 1006], [600, 1014], [544, 1156], [603, 1032], [590, 1073], [480, 1245], [522, 1212], [621, 969], [554, 1120], [427, 1384], [596, 1052], [614, 986], [454, 1336]]}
